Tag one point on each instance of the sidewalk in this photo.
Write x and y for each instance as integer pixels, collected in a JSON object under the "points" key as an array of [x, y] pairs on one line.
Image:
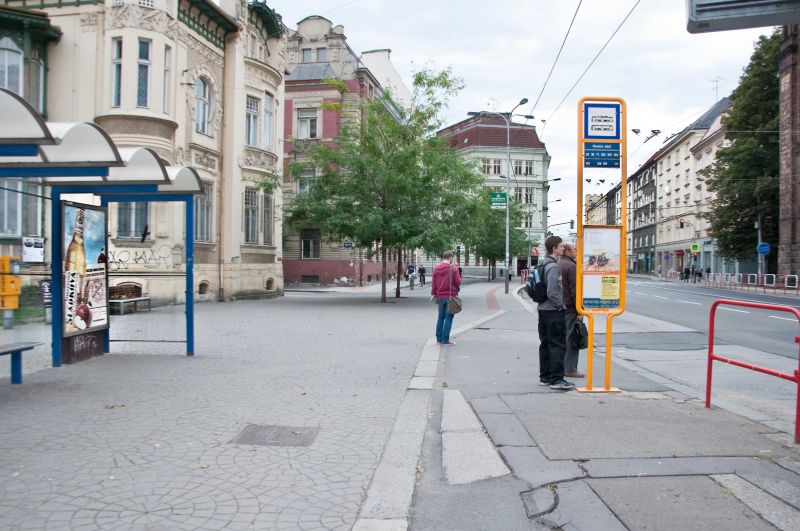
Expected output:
{"points": [[649, 457]]}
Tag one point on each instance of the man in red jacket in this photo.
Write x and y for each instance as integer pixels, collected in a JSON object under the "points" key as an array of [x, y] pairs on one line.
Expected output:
{"points": [[445, 283]]}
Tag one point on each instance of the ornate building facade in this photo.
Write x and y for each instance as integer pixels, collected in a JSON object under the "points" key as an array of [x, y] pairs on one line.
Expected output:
{"points": [[314, 110], [201, 84]]}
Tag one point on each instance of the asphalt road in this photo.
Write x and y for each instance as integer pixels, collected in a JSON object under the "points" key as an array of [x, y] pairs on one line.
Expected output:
{"points": [[690, 304]]}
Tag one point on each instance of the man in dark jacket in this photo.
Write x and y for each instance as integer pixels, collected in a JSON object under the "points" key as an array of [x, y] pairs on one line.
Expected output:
{"points": [[568, 281], [445, 283], [552, 321]]}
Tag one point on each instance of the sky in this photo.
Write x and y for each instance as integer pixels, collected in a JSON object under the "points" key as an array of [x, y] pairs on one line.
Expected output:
{"points": [[504, 50]]}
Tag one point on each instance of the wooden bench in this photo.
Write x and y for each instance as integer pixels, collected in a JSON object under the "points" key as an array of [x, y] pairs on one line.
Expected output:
{"points": [[16, 350], [127, 293]]}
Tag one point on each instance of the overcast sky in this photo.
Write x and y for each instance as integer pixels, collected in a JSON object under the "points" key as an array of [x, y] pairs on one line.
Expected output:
{"points": [[504, 50]]}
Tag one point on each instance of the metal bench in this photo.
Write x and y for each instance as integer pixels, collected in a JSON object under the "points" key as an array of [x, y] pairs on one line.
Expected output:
{"points": [[16, 350], [133, 300]]}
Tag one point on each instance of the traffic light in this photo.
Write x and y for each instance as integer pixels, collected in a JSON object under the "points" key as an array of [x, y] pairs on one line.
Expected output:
{"points": [[681, 222], [571, 224]]}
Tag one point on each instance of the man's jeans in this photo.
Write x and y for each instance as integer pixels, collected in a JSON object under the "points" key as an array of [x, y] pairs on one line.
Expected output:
{"points": [[444, 323], [571, 357], [552, 347]]}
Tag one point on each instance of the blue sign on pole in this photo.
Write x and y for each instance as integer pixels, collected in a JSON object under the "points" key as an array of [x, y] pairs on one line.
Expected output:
{"points": [[763, 248]]}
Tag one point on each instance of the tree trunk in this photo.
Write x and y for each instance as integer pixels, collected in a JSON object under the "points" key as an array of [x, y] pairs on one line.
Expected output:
{"points": [[383, 273], [399, 272]]}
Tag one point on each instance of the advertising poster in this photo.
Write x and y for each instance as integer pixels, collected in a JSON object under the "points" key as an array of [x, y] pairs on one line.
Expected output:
{"points": [[32, 249], [601, 268], [85, 273]]}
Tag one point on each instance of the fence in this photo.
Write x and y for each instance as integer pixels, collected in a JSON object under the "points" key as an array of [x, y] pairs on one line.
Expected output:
{"points": [[769, 283], [714, 357]]}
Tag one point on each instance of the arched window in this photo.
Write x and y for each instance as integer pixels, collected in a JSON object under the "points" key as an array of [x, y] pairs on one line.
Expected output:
{"points": [[10, 65], [202, 103]]}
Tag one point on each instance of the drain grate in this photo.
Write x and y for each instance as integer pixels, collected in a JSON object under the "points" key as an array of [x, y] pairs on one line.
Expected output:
{"points": [[254, 434]]}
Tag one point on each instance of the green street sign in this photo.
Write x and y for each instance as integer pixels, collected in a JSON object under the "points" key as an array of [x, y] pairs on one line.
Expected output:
{"points": [[498, 200]]}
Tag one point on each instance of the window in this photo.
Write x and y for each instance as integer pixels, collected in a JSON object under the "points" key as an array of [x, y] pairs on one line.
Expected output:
{"points": [[116, 66], [10, 65], [487, 167], [528, 195], [306, 178], [269, 104], [517, 167], [267, 226], [518, 194], [322, 55], [496, 166], [251, 216], [306, 55], [309, 240], [131, 219], [146, 3], [202, 103], [202, 214], [143, 83], [11, 203], [253, 49], [251, 123], [167, 80], [306, 123], [528, 167]]}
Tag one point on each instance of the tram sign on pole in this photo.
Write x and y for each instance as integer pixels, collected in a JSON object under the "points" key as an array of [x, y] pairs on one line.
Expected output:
{"points": [[498, 200]]}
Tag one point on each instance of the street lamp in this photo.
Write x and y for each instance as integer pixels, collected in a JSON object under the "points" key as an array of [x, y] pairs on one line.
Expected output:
{"points": [[507, 119]]}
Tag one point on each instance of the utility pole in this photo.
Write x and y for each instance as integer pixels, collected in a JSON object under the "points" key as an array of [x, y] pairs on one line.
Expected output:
{"points": [[760, 256]]}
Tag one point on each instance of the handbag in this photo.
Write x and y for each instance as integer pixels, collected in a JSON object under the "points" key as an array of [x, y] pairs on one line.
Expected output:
{"points": [[580, 336], [454, 304]]}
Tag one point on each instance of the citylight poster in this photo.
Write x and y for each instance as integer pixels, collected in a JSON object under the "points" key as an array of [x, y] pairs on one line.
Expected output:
{"points": [[84, 266], [601, 268]]}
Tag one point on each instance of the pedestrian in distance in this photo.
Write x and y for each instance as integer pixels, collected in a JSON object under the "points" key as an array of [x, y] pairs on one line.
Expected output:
{"points": [[445, 283], [421, 271], [552, 321], [567, 267], [686, 274]]}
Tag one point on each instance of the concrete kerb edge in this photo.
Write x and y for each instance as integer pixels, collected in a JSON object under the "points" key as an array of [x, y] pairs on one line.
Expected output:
{"points": [[375, 515]]}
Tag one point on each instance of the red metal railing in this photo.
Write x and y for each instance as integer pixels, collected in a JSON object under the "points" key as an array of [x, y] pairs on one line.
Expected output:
{"points": [[713, 357]]}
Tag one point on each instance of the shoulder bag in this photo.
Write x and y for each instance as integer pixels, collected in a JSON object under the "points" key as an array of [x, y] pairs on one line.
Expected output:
{"points": [[454, 304]]}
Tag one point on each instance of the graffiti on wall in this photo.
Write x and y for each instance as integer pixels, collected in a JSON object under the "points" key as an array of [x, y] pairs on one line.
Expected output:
{"points": [[164, 257]]}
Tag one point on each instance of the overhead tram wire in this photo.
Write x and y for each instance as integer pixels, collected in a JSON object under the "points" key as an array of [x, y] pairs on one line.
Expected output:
{"points": [[555, 61], [590, 64], [558, 55]]}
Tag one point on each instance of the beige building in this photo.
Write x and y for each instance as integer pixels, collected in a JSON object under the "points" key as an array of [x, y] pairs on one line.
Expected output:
{"points": [[681, 197], [484, 137], [201, 84]]}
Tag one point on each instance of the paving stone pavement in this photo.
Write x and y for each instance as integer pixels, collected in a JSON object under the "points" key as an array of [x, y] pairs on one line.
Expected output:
{"points": [[141, 438]]}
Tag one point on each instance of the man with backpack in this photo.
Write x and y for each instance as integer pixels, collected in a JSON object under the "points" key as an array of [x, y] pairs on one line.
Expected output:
{"points": [[552, 317]]}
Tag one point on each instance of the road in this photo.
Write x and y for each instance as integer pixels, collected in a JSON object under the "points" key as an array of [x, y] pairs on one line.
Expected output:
{"points": [[689, 305]]}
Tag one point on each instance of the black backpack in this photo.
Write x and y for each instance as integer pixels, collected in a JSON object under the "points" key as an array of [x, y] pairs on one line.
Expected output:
{"points": [[536, 287]]}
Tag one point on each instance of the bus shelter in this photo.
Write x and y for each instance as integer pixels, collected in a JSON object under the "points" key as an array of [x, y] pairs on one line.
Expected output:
{"points": [[80, 158]]}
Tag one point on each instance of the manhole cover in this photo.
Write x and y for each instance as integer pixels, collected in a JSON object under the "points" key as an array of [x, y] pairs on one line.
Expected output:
{"points": [[276, 436]]}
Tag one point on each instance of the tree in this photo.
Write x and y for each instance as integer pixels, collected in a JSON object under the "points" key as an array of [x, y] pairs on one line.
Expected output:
{"points": [[388, 181], [745, 176], [485, 230]]}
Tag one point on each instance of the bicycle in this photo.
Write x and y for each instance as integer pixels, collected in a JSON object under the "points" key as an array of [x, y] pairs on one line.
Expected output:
{"points": [[411, 280]]}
